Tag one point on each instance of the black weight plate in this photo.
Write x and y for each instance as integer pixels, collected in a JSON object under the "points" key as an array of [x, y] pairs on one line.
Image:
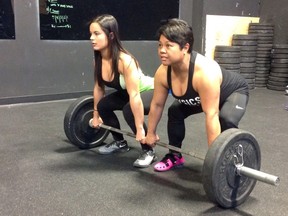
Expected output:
{"points": [[227, 60], [76, 124], [279, 74], [278, 79], [248, 75], [248, 54], [276, 88], [248, 48], [265, 38], [261, 55], [277, 83], [281, 61], [281, 79], [220, 181], [265, 49], [230, 66], [280, 46], [261, 76], [227, 54], [220, 48], [280, 70], [250, 80], [279, 51], [248, 65], [248, 59], [244, 42], [244, 37], [279, 56], [247, 70], [233, 70], [265, 42], [261, 31], [265, 46], [279, 65], [261, 25]]}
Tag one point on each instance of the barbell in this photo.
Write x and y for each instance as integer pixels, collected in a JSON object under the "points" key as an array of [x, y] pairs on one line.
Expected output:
{"points": [[231, 166]]}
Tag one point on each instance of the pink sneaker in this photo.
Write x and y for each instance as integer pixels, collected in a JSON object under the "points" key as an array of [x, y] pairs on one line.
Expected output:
{"points": [[168, 162]]}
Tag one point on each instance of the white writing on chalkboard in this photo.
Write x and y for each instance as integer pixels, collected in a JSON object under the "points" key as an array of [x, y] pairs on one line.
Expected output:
{"points": [[58, 14]]}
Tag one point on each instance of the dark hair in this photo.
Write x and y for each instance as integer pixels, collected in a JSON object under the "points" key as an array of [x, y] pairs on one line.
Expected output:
{"points": [[109, 25], [177, 31]]}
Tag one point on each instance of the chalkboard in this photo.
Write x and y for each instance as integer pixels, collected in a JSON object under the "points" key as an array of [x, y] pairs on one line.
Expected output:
{"points": [[7, 25], [137, 19]]}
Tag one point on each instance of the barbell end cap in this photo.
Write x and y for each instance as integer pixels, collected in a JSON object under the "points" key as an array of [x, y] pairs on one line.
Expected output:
{"points": [[91, 123], [277, 181]]}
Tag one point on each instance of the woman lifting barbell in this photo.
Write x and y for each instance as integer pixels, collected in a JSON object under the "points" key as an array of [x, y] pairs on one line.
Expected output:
{"points": [[116, 68], [198, 84]]}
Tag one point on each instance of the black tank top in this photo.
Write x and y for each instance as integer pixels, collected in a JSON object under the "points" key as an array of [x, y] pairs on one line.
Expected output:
{"points": [[115, 83], [231, 82]]}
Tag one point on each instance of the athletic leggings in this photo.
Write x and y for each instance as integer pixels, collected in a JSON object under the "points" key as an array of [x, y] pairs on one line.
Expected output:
{"points": [[119, 100], [231, 112]]}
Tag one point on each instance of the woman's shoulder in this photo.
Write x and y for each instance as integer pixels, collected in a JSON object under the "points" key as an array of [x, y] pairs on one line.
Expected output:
{"points": [[206, 63], [161, 72], [125, 57], [127, 60]]}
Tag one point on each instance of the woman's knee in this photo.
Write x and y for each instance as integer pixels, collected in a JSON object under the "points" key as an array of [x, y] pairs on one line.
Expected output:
{"points": [[227, 123], [102, 104], [174, 114]]}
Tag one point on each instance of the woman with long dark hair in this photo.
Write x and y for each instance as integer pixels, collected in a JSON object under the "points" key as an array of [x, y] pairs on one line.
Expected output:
{"points": [[116, 68]]}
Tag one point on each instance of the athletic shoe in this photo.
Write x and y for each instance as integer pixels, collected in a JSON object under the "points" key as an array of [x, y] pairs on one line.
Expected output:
{"points": [[168, 162], [115, 146], [145, 159]]}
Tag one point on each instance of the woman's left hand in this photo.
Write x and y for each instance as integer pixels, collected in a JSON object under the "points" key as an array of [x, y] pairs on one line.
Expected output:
{"points": [[140, 135]]}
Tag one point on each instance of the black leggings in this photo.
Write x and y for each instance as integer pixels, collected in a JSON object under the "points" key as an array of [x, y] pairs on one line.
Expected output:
{"points": [[119, 100], [231, 112]]}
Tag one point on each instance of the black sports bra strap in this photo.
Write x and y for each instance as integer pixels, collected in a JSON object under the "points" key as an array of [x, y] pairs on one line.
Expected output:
{"points": [[194, 54], [192, 61], [169, 77]]}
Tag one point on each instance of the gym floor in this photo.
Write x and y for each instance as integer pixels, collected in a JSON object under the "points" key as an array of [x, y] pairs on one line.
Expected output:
{"points": [[41, 173]]}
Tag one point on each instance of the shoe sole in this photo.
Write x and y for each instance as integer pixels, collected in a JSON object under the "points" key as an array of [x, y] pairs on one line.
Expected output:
{"points": [[144, 166], [173, 167]]}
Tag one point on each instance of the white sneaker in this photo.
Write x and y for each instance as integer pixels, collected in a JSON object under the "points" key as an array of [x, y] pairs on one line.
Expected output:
{"points": [[145, 159]]}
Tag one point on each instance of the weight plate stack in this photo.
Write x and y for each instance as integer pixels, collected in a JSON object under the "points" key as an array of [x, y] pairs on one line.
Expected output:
{"points": [[228, 57], [265, 34], [248, 45], [278, 78]]}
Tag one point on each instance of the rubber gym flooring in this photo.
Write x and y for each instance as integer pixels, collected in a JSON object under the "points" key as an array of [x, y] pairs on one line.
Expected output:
{"points": [[41, 173]]}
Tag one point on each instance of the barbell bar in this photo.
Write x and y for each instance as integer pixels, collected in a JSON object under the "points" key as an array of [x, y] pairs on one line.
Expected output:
{"points": [[240, 168]]}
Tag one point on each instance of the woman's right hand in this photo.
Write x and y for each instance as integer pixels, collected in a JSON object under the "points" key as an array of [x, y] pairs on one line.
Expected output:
{"points": [[151, 139], [96, 122]]}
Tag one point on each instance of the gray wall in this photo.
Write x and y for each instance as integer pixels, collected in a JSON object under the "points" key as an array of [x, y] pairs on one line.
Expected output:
{"points": [[276, 12], [222, 7], [35, 70]]}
